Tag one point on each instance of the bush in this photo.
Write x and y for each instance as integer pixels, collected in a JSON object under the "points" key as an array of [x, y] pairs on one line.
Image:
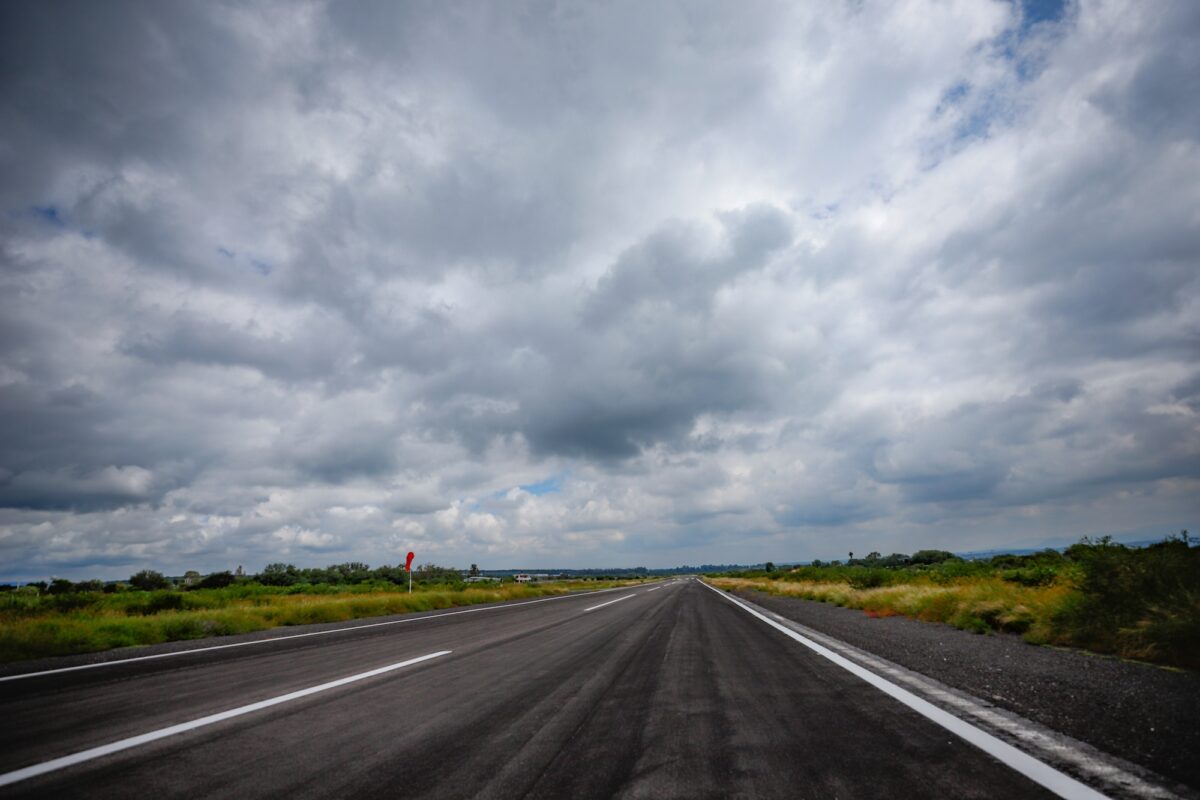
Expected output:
{"points": [[869, 578], [1035, 576], [951, 571], [931, 557], [217, 580], [163, 600], [1136, 603], [1143, 603], [148, 580], [278, 575]]}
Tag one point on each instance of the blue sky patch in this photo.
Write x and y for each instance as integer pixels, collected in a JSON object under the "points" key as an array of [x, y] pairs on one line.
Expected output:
{"points": [[49, 215], [550, 485], [1035, 11]]}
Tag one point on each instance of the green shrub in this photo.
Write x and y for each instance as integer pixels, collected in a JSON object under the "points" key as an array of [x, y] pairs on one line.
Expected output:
{"points": [[1143, 603], [1033, 576], [156, 602], [148, 580], [217, 580], [869, 578], [931, 557]]}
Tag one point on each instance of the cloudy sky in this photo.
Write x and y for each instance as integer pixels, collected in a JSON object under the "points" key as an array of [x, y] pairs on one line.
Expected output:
{"points": [[593, 284]]}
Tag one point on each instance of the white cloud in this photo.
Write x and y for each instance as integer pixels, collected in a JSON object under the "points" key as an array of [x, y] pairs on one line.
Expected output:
{"points": [[773, 283]]}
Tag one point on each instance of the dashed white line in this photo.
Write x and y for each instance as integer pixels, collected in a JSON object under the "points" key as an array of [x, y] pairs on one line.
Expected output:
{"points": [[1060, 783], [53, 765], [609, 603], [268, 640]]}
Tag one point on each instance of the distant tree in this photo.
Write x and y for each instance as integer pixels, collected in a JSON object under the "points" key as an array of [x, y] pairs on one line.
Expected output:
{"points": [[930, 557], [217, 580], [474, 571], [1086, 547], [770, 566], [432, 573], [816, 562], [1047, 556], [90, 586], [148, 580], [394, 574], [60, 586], [317, 575], [278, 574], [349, 572]]}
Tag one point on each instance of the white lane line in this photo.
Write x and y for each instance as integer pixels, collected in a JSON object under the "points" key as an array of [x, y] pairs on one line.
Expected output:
{"points": [[1060, 783], [1052, 746], [655, 589], [9, 778], [299, 635], [609, 603]]}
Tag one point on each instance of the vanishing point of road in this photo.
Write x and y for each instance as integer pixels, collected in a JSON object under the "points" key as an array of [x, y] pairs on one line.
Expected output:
{"points": [[664, 690]]}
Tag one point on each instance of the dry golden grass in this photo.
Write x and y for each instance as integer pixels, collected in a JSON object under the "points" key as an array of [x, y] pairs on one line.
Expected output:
{"points": [[979, 604]]}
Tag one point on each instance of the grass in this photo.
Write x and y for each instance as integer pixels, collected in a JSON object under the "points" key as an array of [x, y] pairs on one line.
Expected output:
{"points": [[1136, 603], [36, 625], [976, 604]]}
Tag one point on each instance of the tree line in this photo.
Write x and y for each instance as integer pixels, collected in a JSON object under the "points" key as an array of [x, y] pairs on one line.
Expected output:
{"points": [[277, 574]]}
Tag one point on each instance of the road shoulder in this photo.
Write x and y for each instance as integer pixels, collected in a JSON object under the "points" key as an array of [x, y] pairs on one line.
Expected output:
{"points": [[1094, 705]]}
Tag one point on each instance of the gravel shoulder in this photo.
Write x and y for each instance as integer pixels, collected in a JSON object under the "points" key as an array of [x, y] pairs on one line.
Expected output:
{"points": [[1144, 714]]}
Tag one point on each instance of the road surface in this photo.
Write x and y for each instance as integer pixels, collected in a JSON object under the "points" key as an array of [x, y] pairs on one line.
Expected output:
{"points": [[664, 690]]}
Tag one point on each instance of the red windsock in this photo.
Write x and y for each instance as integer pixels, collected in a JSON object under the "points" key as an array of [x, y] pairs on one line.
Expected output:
{"points": [[408, 563]]}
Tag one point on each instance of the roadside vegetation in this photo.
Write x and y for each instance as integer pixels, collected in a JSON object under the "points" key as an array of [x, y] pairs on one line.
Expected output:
{"points": [[64, 618], [1137, 603]]}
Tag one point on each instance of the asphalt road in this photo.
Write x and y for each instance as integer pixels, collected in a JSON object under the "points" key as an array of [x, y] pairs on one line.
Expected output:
{"points": [[664, 691]]}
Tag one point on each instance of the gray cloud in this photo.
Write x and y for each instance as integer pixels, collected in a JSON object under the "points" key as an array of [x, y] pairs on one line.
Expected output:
{"points": [[678, 270], [335, 280]]}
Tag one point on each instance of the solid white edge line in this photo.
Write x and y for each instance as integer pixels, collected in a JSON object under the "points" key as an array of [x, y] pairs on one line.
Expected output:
{"points": [[1043, 743], [610, 602], [53, 765], [1058, 782], [268, 640]]}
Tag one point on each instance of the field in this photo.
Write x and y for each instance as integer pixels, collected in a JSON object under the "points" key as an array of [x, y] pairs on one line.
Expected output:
{"points": [[35, 624], [1141, 604]]}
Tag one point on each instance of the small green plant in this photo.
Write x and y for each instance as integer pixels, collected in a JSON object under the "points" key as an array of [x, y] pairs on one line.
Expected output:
{"points": [[1141, 603], [1033, 576]]}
